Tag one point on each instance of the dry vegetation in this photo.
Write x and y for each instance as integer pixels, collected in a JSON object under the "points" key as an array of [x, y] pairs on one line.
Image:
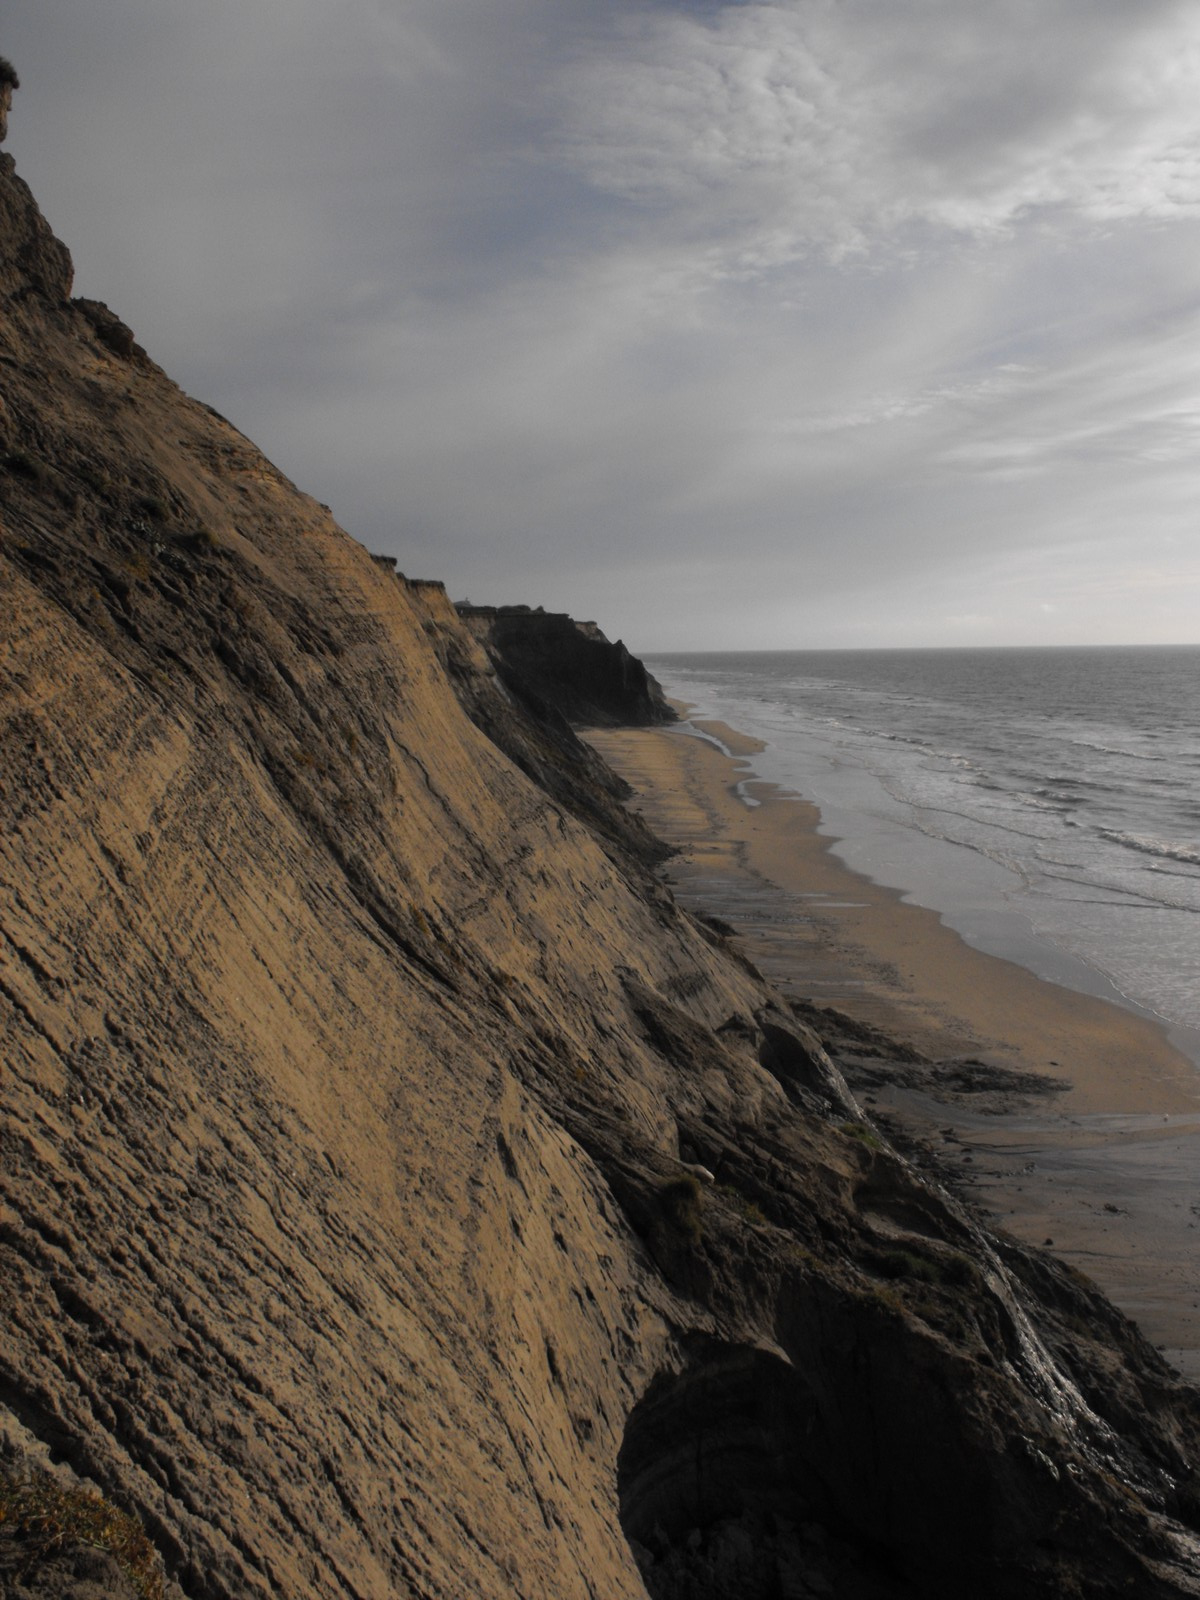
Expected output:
{"points": [[48, 1519]]}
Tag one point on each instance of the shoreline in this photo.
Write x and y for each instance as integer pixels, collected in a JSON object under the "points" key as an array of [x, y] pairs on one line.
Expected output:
{"points": [[1097, 1158]]}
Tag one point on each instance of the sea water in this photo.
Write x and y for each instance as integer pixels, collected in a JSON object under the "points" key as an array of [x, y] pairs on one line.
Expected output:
{"points": [[1046, 802]]}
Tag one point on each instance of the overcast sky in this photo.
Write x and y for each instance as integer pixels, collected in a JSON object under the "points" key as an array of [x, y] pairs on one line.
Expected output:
{"points": [[807, 323]]}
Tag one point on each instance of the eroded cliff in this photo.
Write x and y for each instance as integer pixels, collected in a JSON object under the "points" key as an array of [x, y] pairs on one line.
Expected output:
{"points": [[354, 1066], [558, 665]]}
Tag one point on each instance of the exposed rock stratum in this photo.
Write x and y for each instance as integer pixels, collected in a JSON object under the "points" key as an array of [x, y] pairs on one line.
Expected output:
{"points": [[355, 1068]]}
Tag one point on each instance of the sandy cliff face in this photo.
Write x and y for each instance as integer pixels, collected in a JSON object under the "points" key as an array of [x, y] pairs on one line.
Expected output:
{"points": [[348, 1070], [285, 940]]}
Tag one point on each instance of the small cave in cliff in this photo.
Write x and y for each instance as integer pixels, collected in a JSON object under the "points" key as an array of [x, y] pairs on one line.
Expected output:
{"points": [[722, 1493]]}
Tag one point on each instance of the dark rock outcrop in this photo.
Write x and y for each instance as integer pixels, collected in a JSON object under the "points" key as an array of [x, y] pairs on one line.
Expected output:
{"points": [[33, 261], [8, 82], [555, 663]]}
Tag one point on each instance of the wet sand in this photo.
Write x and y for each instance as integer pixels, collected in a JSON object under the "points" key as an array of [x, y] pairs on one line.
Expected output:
{"points": [[1105, 1162]]}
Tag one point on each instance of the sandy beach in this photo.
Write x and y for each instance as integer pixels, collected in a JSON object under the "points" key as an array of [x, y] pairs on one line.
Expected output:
{"points": [[1100, 1160]]}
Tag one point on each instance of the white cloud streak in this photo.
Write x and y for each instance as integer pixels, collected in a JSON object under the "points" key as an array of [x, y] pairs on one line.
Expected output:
{"points": [[837, 125]]}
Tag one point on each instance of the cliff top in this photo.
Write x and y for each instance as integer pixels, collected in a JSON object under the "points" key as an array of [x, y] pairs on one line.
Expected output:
{"points": [[555, 662]]}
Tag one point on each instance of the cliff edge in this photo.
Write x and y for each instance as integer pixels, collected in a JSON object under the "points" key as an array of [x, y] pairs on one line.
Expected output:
{"points": [[553, 662], [398, 1194]]}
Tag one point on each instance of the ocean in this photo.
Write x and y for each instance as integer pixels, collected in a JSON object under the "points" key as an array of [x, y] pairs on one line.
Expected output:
{"points": [[1046, 802]]}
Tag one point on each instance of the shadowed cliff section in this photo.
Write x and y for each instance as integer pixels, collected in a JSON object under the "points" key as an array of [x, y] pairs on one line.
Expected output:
{"points": [[556, 664], [360, 1095], [536, 736]]}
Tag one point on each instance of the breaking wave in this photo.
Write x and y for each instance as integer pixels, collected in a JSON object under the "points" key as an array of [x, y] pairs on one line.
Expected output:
{"points": [[1165, 848]]}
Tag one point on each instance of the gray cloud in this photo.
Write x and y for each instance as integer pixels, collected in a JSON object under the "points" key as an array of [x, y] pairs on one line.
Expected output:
{"points": [[768, 323], [790, 126]]}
